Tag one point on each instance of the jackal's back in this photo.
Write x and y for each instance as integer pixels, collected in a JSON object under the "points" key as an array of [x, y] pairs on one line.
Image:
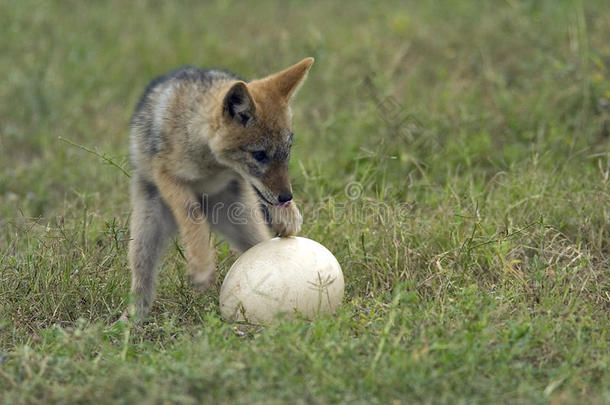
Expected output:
{"points": [[169, 104]]}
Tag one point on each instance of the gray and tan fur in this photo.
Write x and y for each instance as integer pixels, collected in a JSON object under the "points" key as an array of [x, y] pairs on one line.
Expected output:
{"points": [[208, 151]]}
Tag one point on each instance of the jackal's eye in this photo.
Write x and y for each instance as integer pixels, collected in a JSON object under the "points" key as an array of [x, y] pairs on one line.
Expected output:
{"points": [[260, 156]]}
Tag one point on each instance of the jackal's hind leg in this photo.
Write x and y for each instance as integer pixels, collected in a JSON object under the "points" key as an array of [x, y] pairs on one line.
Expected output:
{"points": [[152, 224]]}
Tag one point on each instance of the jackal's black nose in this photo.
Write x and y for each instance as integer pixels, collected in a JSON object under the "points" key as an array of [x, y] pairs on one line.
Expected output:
{"points": [[284, 197]]}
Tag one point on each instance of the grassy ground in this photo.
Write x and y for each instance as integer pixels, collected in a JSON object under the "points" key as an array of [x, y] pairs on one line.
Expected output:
{"points": [[453, 155]]}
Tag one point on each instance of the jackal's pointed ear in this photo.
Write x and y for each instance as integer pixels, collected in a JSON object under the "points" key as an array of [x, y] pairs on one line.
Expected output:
{"points": [[287, 82], [238, 104]]}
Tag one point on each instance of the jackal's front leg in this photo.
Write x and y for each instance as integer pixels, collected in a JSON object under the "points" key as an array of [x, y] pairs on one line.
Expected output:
{"points": [[287, 220], [188, 212]]}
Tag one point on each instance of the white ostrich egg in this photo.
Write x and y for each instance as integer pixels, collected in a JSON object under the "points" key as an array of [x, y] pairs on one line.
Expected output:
{"points": [[282, 276]]}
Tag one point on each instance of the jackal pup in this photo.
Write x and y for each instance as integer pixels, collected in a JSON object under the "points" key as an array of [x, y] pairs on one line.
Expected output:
{"points": [[209, 151]]}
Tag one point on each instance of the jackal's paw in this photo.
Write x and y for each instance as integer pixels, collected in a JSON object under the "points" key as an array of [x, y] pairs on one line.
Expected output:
{"points": [[202, 283], [124, 317], [135, 313], [286, 221], [202, 278]]}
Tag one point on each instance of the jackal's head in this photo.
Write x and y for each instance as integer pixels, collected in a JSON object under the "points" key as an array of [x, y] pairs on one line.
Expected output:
{"points": [[255, 131]]}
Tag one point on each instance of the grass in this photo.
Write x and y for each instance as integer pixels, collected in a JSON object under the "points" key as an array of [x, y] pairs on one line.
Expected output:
{"points": [[453, 155]]}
